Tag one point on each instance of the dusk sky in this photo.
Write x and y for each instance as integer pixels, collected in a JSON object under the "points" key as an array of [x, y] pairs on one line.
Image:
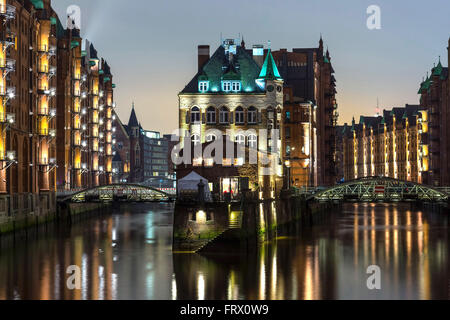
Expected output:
{"points": [[151, 46]]}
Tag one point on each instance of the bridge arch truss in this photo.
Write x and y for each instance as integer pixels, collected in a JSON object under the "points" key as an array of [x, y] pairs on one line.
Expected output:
{"points": [[119, 192], [371, 189]]}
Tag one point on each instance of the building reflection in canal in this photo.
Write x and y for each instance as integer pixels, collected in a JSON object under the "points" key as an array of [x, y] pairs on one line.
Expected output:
{"points": [[127, 255]]}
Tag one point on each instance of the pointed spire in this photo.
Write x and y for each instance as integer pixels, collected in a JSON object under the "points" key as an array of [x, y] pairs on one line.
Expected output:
{"points": [[133, 122], [438, 69], [243, 42], [269, 69]]}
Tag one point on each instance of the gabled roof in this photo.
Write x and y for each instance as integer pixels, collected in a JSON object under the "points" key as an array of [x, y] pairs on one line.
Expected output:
{"points": [[269, 69], [219, 67]]}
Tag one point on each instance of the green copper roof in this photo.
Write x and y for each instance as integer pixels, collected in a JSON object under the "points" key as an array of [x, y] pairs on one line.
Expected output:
{"points": [[101, 72], [405, 115], [113, 85], [438, 69], [219, 68], [269, 69], [83, 53], [38, 4], [74, 44], [106, 79], [53, 20], [325, 59], [231, 74]]}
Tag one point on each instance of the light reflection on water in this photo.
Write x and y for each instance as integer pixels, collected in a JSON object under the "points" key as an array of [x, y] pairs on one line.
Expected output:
{"points": [[127, 255]]}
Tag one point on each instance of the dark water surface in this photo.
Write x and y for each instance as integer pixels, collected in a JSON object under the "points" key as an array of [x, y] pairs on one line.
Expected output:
{"points": [[127, 255]]}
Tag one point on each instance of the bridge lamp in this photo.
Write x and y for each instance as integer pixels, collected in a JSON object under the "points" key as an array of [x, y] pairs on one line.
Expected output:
{"points": [[100, 168], [10, 118], [11, 95], [11, 155]]}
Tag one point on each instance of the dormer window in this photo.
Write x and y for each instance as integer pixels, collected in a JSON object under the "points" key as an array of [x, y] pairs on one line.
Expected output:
{"points": [[203, 86], [226, 86], [236, 86]]}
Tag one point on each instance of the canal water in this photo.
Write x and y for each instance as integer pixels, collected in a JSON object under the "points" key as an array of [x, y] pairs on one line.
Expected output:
{"points": [[127, 255]]}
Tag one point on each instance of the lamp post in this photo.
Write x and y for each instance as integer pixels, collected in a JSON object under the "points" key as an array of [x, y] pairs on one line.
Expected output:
{"points": [[287, 163]]}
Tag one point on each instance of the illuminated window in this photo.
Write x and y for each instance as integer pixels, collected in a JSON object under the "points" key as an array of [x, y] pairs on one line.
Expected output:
{"points": [[203, 86], [195, 114], [240, 138], [224, 115], [197, 162], [252, 141], [209, 162], [239, 113], [252, 115], [236, 86], [211, 115], [226, 86], [195, 138], [238, 161]]}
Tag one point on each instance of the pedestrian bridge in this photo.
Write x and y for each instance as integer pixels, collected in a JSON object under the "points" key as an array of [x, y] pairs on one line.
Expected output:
{"points": [[383, 189], [125, 192]]}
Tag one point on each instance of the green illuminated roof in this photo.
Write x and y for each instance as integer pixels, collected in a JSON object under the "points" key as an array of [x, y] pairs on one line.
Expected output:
{"points": [[53, 20], [101, 72], [38, 4], [242, 67], [74, 44], [106, 79], [438, 69], [269, 69], [325, 59]]}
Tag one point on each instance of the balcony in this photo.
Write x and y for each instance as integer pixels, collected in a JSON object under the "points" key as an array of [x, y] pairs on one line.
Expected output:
{"points": [[9, 92], [7, 66], [48, 92], [7, 11]]}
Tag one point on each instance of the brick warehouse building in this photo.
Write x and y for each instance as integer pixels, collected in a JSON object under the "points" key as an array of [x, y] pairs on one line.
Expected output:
{"points": [[435, 137], [237, 95], [308, 113], [85, 110], [385, 145], [28, 108], [54, 96]]}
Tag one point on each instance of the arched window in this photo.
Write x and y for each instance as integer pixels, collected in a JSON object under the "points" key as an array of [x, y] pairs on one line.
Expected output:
{"points": [[224, 115], [239, 113], [195, 138], [211, 115], [252, 115], [252, 141], [195, 115], [240, 138], [211, 137]]}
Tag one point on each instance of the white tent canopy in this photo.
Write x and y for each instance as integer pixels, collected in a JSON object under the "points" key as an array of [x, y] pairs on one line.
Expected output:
{"points": [[190, 184]]}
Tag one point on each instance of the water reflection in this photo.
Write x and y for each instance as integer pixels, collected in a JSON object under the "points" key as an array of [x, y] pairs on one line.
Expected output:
{"points": [[330, 261], [127, 255]]}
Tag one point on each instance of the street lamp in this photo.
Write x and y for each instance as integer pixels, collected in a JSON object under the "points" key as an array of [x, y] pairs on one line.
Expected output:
{"points": [[287, 163], [9, 160]]}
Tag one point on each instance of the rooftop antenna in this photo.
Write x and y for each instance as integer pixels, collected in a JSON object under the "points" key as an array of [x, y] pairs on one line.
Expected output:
{"points": [[377, 110], [268, 43]]}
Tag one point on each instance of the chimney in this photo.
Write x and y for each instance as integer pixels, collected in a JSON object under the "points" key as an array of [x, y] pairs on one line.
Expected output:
{"points": [[203, 56], [258, 54]]}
